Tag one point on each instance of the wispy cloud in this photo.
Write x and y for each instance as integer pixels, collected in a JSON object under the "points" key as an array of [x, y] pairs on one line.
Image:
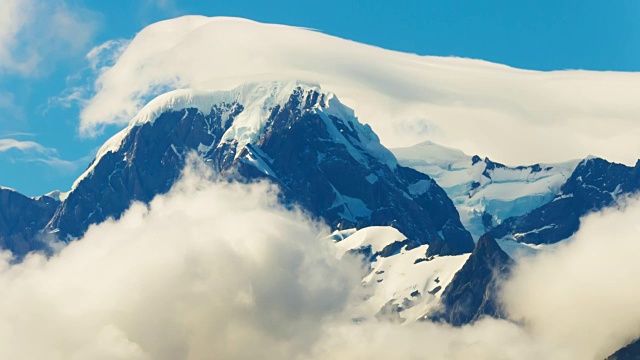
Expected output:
{"points": [[8, 144], [80, 86], [8, 104], [31, 151], [32, 31]]}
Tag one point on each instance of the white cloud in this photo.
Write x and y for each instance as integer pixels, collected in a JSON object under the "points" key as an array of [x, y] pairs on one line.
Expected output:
{"points": [[514, 116], [8, 144], [585, 294], [34, 31], [207, 269], [220, 268], [31, 151]]}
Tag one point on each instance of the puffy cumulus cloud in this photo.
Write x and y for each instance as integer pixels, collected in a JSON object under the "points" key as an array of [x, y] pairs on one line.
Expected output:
{"points": [[487, 339], [514, 116], [208, 270], [584, 295], [31, 31]]}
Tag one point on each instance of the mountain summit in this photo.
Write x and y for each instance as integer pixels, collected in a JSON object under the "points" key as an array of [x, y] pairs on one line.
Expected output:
{"points": [[296, 135]]}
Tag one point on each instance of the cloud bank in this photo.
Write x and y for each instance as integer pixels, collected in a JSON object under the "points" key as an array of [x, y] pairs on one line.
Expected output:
{"points": [[514, 116], [585, 294], [216, 269], [208, 270]]}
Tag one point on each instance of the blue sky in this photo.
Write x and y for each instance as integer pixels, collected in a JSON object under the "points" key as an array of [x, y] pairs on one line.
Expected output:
{"points": [[540, 35]]}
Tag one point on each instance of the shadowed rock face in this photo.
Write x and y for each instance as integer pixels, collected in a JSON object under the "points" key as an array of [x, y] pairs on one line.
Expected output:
{"points": [[21, 218], [473, 292], [320, 160], [629, 352], [594, 184]]}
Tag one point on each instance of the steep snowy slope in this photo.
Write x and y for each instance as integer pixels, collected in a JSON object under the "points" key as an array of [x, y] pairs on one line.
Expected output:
{"points": [[484, 192], [403, 285], [296, 135]]}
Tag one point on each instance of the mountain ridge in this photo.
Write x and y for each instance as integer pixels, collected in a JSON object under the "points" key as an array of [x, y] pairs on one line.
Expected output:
{"points": [[298, 136]]}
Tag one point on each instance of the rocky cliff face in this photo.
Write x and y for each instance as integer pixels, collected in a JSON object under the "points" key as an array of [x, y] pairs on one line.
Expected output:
{"points": [[473, 292], [21, 219]]}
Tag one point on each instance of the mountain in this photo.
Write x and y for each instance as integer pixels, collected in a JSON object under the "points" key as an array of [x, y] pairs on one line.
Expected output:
{"points": [[21, 219], [485, 192], [295, 135], [593, 185], [473, 292]]}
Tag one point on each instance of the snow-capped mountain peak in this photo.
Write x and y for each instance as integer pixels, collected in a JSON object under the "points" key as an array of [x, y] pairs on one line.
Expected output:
{"points": [[297, 135], [249, 107]]}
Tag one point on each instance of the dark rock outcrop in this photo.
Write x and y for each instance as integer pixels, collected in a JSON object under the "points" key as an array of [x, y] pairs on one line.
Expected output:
{"points": [[629, 352], [473, 292], [21, 219]]}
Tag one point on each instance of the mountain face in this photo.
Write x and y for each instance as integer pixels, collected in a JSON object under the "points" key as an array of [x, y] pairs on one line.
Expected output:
{"points": [[485, 192], [473, 292], [295, 135], [21, 219], [594, 184], [629, 352]]}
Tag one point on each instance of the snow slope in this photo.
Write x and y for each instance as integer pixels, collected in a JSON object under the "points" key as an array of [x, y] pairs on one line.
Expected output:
{"points": [[480, 187], [403, 286]]}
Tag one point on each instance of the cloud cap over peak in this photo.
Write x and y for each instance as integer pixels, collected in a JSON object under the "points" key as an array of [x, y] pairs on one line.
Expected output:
{"points": [[514, 116]]}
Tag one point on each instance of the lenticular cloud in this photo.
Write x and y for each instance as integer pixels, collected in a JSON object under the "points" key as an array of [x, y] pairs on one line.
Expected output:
{"points": [[513, 116]]}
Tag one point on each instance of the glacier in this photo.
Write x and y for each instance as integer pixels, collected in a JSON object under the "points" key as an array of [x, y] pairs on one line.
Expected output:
{"points": [[484, 192]]}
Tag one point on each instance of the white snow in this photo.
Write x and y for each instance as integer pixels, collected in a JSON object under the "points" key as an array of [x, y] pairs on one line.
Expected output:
{"points": [[371, 178], [58, 195], [506, 192], [340, 235], [259, 160], [516, 236], [375, 236], [396, 277], [257, 99], [420, 187], [353, 209], [7, 188]]}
